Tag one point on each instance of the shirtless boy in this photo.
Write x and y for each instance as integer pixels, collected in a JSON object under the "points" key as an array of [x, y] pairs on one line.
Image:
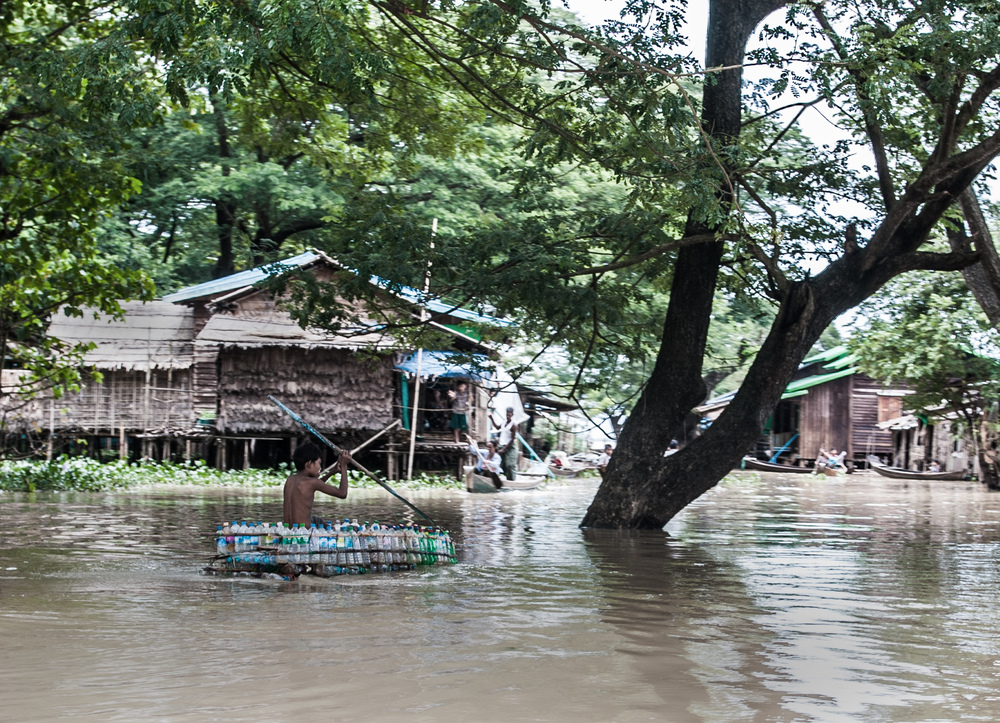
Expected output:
{"points": [[301, 486]]}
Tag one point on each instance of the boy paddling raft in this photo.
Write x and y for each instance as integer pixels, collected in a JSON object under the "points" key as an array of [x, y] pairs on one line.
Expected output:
{"points": [[305, 483]]}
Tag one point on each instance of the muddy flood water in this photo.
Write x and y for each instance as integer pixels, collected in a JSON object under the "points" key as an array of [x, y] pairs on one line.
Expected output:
{"points": [[771, 598]]}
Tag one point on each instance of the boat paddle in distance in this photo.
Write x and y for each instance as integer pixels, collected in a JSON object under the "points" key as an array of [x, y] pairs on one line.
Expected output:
{"points": [[316, 433]]}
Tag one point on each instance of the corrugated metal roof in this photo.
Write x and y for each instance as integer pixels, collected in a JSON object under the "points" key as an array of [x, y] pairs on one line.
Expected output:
{"points": [[241, 279], [844, 361], [254, 276], [153, 335], [798, 388], [440, 307], [826, 356], [817, 379]]}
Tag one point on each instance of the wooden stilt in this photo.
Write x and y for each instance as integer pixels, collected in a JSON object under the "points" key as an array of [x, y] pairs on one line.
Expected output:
{"points": [[122, 443]]}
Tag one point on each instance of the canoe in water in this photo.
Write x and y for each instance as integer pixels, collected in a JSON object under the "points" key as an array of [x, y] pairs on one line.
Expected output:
{"points": [[900, 473], [754, 463], [480, 483]]}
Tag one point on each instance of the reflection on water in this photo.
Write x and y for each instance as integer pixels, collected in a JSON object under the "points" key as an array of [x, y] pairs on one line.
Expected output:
{"points": [[770, 599]]}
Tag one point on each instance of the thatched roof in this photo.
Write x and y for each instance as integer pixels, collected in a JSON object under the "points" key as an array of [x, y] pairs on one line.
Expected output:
{"points": [[153, 335], [248, 330]]}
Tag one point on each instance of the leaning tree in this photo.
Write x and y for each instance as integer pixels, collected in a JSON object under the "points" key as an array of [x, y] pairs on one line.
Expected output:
{"points": [[909, 90]]}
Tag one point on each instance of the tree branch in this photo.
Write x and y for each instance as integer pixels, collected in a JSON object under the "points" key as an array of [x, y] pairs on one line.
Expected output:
{"points": [[651, 253]]}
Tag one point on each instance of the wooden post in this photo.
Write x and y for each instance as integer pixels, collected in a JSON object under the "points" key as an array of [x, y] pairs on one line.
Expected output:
{"points": [[52, 429], [420, 357], [391, 460], [165, 450], [145, 412], [122, 443], [187, 450], [246, 454], [222, 454]]}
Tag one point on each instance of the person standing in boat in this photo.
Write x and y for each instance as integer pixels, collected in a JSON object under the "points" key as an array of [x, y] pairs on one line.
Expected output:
{"points": [[507, 444], [301, 486], [459, 409]]}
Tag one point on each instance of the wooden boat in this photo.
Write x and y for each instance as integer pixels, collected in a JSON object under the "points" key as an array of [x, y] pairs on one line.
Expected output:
{"points": [[761, 466], [565, 471], [481, 483], [900, 473]]}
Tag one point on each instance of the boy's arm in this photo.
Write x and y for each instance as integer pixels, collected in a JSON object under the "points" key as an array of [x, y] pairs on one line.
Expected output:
{"points": [[341, 491]]}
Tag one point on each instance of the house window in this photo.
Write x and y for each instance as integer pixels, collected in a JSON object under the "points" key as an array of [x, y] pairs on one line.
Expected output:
{"points": [[889, 408]]}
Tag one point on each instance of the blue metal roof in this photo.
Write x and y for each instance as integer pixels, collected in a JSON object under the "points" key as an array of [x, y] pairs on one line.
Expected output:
{"points": [[250, 277], [439, 307], [445, 364], [241, 279]]}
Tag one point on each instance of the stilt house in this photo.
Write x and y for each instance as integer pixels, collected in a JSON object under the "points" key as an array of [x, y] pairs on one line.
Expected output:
{"points": [[190, 375], [828, 405]]}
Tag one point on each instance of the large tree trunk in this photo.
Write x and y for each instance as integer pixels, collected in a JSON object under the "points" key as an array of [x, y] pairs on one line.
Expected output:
{"points": [[983, 278], [225, 211], [808, 307], [676, 384]]}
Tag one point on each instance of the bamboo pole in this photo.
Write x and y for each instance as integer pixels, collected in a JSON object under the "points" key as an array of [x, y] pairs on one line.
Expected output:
{"points": [[420, 359]]}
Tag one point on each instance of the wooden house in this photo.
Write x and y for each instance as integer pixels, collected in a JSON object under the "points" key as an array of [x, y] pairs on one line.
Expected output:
{"points": [[828, 405], [190, 376]]}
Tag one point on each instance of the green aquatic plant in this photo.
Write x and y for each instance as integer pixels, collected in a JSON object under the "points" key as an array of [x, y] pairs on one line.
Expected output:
{"points": [[88, 475]]}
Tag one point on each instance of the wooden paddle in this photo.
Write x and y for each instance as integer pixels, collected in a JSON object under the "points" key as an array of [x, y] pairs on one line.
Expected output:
{"points": [[312, 430]]}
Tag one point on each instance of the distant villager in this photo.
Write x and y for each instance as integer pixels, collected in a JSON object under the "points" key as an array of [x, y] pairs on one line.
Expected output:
{"points": [[459, 409], [604, 459], [507, 444]]}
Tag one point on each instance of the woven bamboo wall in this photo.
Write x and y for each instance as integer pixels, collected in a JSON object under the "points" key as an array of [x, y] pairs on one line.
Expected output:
{"points": [[140, 402], [331, 388]]}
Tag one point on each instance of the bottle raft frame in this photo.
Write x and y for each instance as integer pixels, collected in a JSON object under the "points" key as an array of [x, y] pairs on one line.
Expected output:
{"points": [[279, 551]]}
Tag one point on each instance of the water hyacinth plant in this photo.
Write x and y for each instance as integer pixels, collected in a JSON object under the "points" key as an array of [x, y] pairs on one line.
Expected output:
{"points": [[88, 475]]}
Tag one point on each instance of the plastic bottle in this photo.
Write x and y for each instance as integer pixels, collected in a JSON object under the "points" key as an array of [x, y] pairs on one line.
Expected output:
{"points": [[220, 541], [313, 539]]}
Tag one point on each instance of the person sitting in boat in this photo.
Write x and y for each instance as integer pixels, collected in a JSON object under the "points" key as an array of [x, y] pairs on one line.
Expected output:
{"points": [[605, 459], [934, 466], [488, 461], [822, 460], [301, 486]]}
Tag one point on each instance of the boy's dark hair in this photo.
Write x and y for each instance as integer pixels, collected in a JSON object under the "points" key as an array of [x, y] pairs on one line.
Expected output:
{"points": [[304, 454]]}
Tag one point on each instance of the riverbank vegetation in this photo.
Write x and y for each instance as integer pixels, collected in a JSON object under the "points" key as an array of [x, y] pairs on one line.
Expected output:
{"points": [[83, 474]]}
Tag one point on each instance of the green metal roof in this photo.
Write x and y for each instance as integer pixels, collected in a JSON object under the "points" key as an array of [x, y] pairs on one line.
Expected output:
{"points": [[844, 361], [817, 379], [789, 395], [827, 356]]}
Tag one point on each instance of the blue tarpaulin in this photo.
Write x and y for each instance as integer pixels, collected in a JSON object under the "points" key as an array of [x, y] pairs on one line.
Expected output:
{"points": [[446, 364]]}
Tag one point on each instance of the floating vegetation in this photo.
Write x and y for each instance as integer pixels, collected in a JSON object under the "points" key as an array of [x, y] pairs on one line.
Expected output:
{"points": [[88, 475]]}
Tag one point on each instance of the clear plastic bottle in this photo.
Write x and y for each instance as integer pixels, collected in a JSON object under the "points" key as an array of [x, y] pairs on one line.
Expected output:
{"points": [[220, 541], [313, 539]]}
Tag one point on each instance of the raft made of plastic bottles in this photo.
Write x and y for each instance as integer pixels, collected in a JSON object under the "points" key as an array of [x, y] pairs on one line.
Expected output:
{"points": [[332, 548]]}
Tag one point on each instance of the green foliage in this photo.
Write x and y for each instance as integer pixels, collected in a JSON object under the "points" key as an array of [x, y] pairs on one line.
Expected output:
{"points": [[926, 330], [71, 87], [88, 475]]}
